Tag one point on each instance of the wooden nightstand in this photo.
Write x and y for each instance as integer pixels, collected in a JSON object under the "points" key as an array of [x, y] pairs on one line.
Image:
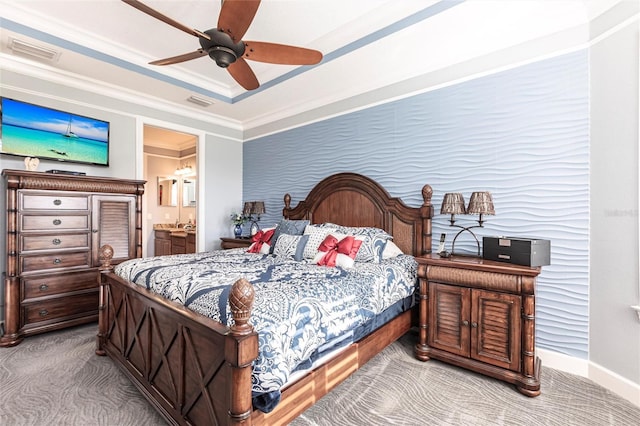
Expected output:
{"points": [[480, 315], [229, 243]]}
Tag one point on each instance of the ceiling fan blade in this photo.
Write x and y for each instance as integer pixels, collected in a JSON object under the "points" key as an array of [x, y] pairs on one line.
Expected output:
{"points": [[152, 12], [243, 74], [274, 53], [236, 16], [180, 58]]}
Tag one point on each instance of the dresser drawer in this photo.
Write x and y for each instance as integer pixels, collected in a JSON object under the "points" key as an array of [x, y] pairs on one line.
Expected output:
{"points": [[60, 308], [50, 285], [50, 242], [43, 201], [53, 223], [30, 264]]}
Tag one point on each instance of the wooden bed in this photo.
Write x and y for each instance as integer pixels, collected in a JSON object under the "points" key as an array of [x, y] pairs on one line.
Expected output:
{"points": [[195, 370]]}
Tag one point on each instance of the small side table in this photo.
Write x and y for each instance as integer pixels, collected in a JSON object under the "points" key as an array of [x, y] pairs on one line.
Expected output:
{"points": [[480, 315], [229, 243]]}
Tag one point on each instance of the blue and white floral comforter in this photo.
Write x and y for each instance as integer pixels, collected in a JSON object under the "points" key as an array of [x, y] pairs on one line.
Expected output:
{"points": [[298, 307]]}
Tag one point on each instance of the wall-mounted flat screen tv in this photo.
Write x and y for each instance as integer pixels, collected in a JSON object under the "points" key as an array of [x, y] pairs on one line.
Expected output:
{"points": [[30, 130]]}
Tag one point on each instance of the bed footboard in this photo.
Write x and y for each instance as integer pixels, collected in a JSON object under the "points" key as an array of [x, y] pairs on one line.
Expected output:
{"points": [[193, 369]]}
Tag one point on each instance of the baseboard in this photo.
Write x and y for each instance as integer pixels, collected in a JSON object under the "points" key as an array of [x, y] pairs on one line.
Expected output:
{"points": [[615, 383], [562, 362], [606, 378]]}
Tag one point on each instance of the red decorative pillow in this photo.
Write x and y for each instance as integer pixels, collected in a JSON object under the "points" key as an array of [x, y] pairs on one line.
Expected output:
{"points": [[338, 250], [262, 241]]}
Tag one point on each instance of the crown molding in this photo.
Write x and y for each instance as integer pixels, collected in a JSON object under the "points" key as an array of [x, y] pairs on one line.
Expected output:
{"points": [[54, 75]]}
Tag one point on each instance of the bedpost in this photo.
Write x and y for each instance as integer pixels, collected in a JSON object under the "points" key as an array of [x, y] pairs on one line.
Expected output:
{"points": [[106, 254], [287, 206], [241, 349], [426, 213]]}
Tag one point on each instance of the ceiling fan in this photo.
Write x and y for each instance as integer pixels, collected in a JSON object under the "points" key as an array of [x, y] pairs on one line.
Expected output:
{"points": [[225, 46]]}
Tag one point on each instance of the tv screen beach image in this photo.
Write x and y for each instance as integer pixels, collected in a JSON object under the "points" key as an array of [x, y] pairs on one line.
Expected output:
{"points": [[35, 131]]}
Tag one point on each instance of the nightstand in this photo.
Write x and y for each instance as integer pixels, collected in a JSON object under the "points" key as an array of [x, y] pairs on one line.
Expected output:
{"points": [[229, 243], [480, 315]]}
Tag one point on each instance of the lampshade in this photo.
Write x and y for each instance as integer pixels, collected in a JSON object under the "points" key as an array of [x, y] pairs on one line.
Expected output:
{"points": [[258, 208], [248, 206], [453, 203], [481, 202]]}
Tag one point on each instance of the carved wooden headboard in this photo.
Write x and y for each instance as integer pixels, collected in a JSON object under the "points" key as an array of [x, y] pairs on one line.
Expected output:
{"points": [[351, 199]]}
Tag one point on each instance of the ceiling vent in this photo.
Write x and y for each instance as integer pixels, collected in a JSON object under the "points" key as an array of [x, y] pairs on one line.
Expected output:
{"points": [[199, 101], [29, 49]]}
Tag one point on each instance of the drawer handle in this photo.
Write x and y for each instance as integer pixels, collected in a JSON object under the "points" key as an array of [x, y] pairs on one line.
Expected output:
{"points": [[474, 324], [57, 202], [44, 287], [57, 222], [43, 313], [57, 261], [465, 323], [56, 241]]}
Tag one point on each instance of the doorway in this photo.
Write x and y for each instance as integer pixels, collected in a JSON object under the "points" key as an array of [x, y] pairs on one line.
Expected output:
{"points": [[170, 168]]}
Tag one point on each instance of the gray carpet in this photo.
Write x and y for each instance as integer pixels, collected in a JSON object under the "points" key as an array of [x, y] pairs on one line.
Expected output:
{"points": [[56, 379]]}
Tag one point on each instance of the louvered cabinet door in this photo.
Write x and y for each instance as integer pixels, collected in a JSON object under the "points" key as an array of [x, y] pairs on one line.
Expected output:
{"points": [[449, 312], [113, 223], [495, 328]]}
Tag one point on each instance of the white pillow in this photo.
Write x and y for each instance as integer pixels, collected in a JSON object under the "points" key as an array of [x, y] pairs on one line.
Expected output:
{"points": [[316, 237], [373, 243], [265, 248], [345, 261], [391, 250]]}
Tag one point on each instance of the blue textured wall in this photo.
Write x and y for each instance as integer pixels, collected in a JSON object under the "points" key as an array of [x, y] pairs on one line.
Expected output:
{"points": [[522, 134]]}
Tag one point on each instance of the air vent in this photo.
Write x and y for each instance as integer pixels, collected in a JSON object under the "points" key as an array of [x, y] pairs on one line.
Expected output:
{"points": [[29, 49], [199, 101]]}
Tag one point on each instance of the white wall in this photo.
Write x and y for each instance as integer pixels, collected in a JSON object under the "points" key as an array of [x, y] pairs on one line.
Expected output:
{"points": [[222, 178], [614, 335]]}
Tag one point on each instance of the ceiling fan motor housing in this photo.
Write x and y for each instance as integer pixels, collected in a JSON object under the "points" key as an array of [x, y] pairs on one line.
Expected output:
{"points": [[221, 47]]}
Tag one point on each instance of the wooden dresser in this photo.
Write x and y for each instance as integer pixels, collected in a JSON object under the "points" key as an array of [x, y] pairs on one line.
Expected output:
{"points": [[480, 314], [55, 226]]}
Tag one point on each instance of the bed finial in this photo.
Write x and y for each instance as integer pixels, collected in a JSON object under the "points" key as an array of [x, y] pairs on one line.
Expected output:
{"points": [[427, 193], [426, 213], [106, 254], [241, 301], [287, 206]]}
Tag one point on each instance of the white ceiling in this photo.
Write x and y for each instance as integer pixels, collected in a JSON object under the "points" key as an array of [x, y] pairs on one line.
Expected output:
{"points": [[367, 45]]}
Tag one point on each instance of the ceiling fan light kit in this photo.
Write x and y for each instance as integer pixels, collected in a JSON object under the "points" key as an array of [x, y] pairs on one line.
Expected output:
{"points": [[225, 46]]}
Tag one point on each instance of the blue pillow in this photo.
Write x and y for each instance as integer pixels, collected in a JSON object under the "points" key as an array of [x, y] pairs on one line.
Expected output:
{"points": [[286, 226], [291, 246]]}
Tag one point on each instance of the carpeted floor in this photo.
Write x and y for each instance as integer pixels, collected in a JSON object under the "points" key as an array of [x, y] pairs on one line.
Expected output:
{"points": [[56, 379]]}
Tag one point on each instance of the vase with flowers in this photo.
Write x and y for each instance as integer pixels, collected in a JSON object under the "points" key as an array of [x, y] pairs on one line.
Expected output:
{"points": [[238, 220]]}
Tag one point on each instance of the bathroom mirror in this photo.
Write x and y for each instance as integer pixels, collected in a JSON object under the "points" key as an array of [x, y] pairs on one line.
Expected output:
{"points": [[167, 191], [188, 192]]}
